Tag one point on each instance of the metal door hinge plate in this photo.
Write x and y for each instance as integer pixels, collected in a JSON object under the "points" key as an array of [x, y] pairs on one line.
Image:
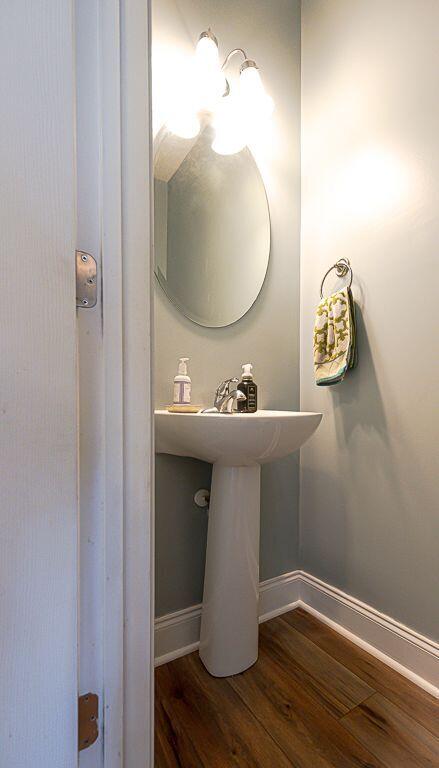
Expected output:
{"points": [[88, 709], [86, 280]]}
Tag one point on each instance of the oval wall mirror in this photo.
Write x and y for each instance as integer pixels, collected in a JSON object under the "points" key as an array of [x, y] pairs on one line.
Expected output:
{"points": [[211, 228]]}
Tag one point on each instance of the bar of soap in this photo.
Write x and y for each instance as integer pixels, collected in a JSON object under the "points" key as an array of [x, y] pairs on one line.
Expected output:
{"points": [[183, 408]]}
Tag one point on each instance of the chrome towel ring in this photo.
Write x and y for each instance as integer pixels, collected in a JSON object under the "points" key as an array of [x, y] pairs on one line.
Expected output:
{"points": [[342, 268]]}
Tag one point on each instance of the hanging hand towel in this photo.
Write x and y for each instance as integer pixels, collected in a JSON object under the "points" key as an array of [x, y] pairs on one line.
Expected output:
{"points": [[335, 348]]}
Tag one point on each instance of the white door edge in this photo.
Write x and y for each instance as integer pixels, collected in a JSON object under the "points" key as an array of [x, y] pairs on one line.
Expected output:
{"points": [[137, 302], [125, 594]]}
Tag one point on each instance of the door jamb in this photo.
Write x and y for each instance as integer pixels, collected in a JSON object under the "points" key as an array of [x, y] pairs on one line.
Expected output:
{"points": [[128, 332]]}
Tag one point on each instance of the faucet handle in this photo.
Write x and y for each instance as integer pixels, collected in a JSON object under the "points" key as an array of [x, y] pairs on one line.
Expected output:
{"points": [[224, 388]]}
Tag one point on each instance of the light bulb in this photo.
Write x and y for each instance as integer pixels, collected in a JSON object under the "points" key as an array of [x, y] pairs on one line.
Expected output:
{"points": [[210, 80], [257, 104], [206, 52], [229, 127]]}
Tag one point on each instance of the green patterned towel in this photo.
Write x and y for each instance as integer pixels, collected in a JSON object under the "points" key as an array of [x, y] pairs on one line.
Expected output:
{"points": [[335, 338]]}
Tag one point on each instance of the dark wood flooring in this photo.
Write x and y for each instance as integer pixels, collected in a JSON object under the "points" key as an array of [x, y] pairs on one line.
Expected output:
{"points": [[312, 700]]}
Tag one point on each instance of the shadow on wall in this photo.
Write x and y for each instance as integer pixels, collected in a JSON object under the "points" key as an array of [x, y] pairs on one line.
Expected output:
{"points": [[323, 525], [357, 401], [180, 532], [360, 422], [279, 517]]}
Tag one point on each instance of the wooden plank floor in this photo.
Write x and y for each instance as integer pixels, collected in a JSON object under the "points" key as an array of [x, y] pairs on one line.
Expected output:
{"points": [[312, 700]]}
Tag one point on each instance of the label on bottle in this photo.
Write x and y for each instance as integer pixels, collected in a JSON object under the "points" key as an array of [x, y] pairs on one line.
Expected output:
{"points": [[250, 404], [252, 398], [182, 393]]}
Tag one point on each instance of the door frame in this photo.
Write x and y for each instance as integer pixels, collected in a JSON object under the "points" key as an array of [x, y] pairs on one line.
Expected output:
{"points": [[127, 306]]}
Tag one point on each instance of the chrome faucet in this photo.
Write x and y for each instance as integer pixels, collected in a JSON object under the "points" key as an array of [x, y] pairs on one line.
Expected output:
{"points": [[225, 398]]}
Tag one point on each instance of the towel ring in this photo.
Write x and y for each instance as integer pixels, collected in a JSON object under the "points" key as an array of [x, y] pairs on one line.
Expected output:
{"points": [[342, 268]]}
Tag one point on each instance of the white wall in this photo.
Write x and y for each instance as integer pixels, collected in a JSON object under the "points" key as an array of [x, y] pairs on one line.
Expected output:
{"points": [[268, 335], [370, 192]]}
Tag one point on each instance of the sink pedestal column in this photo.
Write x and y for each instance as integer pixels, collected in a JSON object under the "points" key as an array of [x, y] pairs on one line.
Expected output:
{"points": [[229, 621]]}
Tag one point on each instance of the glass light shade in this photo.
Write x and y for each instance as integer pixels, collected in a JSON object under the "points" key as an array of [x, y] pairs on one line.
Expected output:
{"points": [[206, 53], [229, 127], [257, 104], [210, 80]]}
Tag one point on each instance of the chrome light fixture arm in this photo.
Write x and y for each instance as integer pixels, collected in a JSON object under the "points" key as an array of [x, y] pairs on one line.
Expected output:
{"points": [[246, 63], [232, 53]]}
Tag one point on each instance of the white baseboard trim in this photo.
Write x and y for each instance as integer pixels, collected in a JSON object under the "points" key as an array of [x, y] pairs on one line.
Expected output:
{"points": [[398, 646], [177, 634], [278, 595], [409, 653]]}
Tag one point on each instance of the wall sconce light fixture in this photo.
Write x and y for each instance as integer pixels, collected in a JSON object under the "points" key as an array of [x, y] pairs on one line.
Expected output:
{"points": [[235, 111]]}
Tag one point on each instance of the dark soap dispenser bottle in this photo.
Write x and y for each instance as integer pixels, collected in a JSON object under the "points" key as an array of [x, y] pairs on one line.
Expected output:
{"points": [[248, 386]]}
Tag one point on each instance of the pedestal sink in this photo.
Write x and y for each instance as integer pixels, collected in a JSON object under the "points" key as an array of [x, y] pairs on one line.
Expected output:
{"points": [[236, 445]]}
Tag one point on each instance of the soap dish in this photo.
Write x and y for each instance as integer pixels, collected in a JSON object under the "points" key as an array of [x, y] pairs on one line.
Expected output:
{"points": [[183, 408]]}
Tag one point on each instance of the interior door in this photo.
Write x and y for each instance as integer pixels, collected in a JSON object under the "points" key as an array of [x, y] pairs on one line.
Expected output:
{"points": [[38, 414]]}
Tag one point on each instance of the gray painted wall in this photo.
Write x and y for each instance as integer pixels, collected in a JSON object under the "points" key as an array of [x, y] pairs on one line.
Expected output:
{"points": [[269, 334], [369, 490]]}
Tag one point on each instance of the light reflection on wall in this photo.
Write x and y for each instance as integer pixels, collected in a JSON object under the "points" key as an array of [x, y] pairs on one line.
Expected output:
{"points": [[375, 183], [367, 176]]}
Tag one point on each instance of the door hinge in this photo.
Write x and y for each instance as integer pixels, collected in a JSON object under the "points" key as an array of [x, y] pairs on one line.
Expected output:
{"points": [[88, 710], [86, 280]]}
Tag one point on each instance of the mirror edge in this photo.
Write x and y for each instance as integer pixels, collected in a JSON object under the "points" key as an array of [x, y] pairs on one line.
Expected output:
{"points": [[159, 138]]}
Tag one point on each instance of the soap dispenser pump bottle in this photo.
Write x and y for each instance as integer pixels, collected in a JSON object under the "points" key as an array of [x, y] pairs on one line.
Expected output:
{"points": [[182, 384], [250, 390]]}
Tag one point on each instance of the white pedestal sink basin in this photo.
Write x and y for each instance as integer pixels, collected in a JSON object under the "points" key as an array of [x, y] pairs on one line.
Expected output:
{"points": [[236, 445]]}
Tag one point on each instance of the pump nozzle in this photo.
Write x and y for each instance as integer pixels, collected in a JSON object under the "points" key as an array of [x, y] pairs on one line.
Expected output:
{"points": [[247, 371], [182, 367]]}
